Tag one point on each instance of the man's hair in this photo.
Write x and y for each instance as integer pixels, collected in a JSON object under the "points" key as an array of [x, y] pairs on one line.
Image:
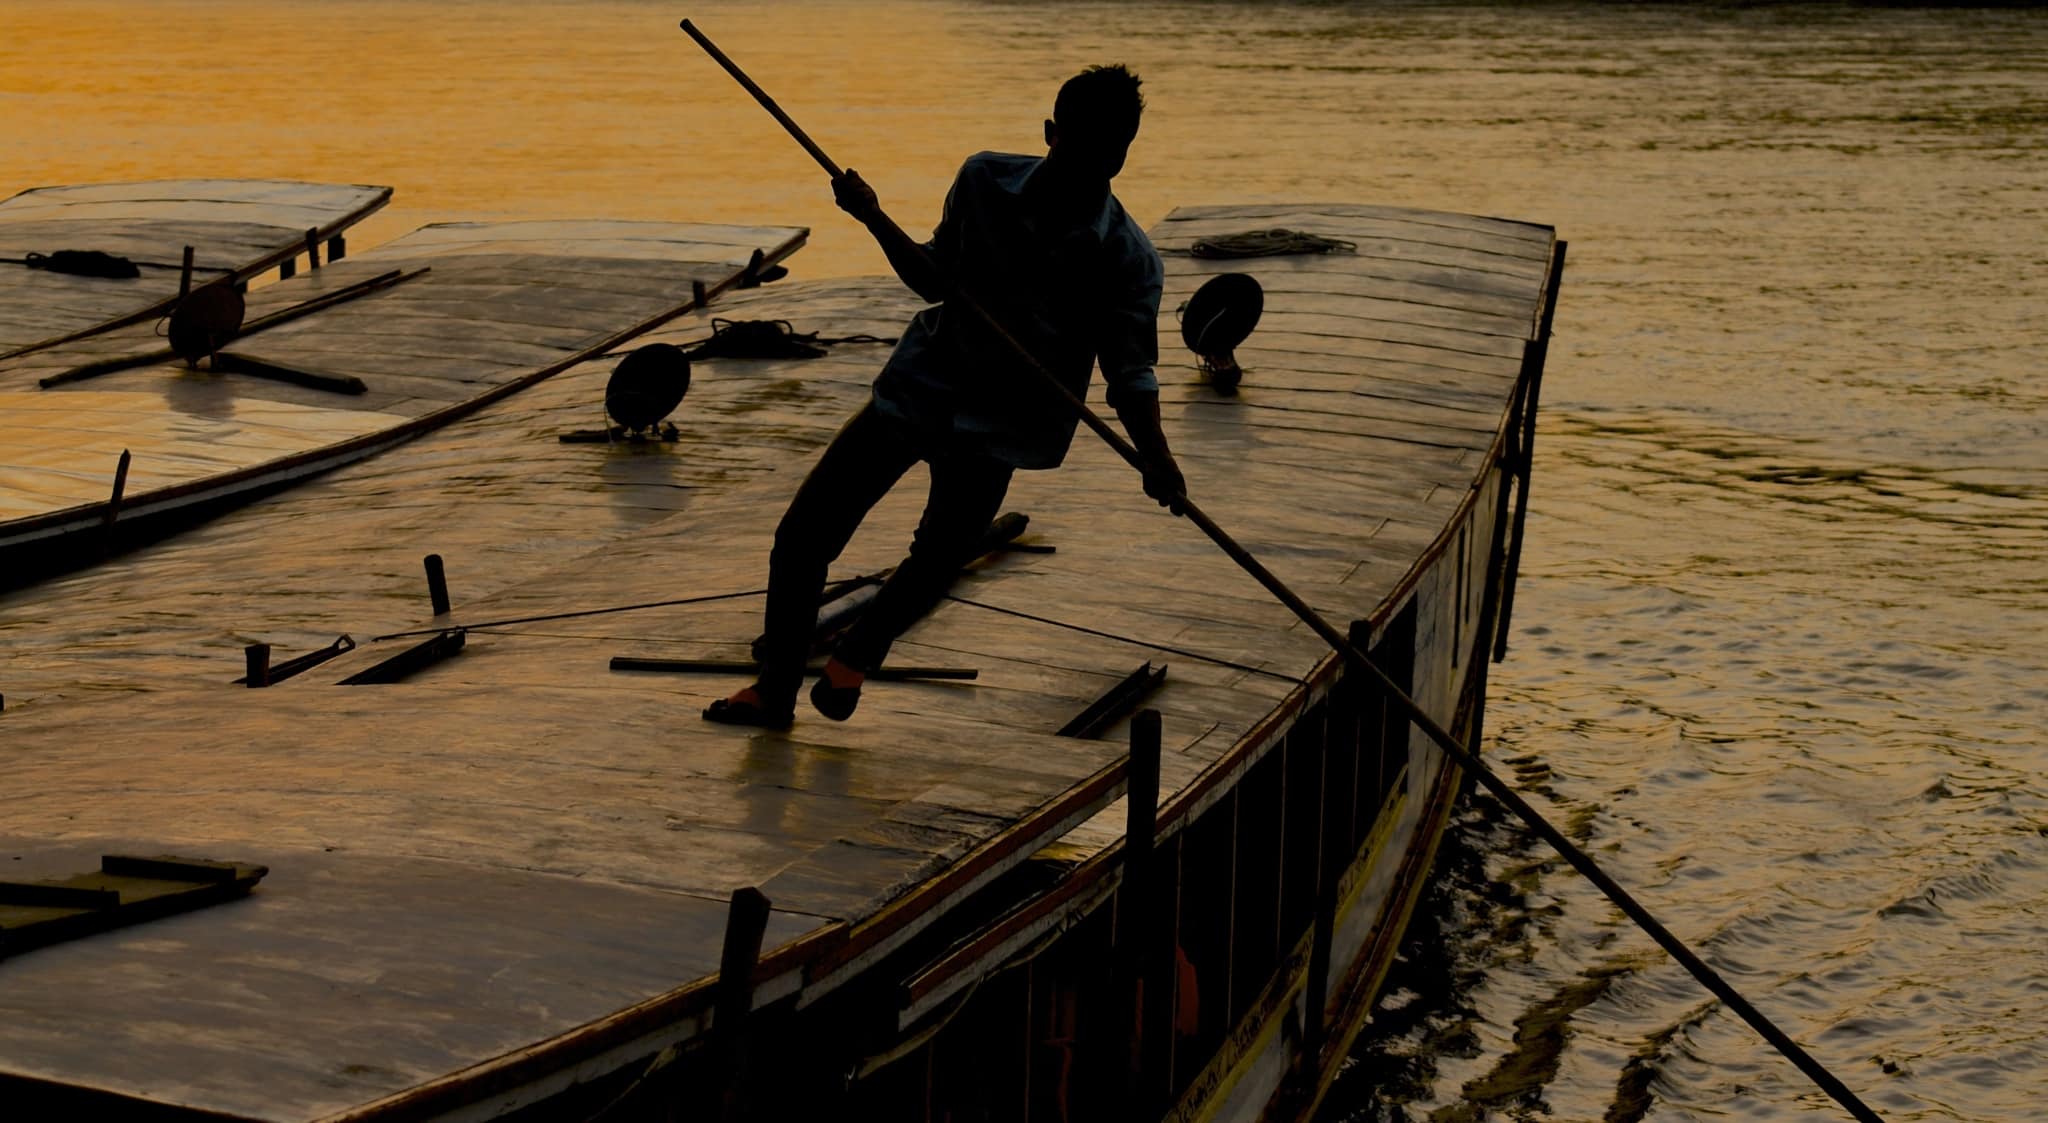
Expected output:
{"points": [[1100, 99]]}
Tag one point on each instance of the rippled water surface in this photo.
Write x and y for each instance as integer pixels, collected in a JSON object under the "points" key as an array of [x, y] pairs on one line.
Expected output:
{"points": [[1778, 653]]}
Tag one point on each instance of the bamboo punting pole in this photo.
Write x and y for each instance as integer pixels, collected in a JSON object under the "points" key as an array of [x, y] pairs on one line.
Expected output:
{"points": [[1338, 642]]}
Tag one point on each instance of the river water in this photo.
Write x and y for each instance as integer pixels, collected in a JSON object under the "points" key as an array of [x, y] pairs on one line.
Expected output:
{"points": [[1778, 653]]}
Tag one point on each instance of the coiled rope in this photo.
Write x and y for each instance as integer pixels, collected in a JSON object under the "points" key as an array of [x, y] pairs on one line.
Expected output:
{"points": [[1268, 243]]}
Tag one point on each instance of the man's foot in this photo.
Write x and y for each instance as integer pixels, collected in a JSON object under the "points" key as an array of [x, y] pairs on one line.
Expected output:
{"points": [[747, 708], [838, 690]]}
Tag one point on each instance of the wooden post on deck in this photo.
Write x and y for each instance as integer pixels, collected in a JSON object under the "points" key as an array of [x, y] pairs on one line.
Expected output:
{"points": [[120, 486], [1528, 393], [312, 247], [1142, 985], [256, 657], [337, 248], [437, 584], [746, 920]]}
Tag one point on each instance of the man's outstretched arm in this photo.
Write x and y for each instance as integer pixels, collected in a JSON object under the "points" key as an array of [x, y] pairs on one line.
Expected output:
{"points": [[910, 260]]}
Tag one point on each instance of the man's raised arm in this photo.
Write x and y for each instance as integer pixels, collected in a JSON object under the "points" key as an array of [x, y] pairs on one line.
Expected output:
{"points": [[911, 262]]}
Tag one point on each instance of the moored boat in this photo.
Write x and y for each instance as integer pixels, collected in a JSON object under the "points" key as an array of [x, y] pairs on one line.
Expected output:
{"points": [[407, 337], [503, 887], [236, 229]]}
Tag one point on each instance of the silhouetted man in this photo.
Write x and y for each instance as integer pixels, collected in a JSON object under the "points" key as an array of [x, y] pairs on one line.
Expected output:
{"points": [[1047, 250]]}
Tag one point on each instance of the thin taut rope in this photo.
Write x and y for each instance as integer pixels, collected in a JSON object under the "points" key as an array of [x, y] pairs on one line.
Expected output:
{"points": [[571, 615]]}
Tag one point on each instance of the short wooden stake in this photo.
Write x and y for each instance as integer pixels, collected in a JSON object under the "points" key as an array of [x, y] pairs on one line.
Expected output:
{"points": [[185, 275], [256, 657], [699, 296], [1115, 702], [746, 921], [443, 646], [278, 672], [120, 486], [312, 247], [1330, 864], [437, 585], [337, 248]]}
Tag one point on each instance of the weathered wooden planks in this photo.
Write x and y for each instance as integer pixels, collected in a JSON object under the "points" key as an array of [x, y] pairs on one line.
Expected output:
{"points": [[237, 228], [487, 878]]}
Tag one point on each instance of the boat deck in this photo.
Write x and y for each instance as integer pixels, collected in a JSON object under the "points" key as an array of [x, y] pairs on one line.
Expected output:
{"points": [[480, 868], [235, 227]]}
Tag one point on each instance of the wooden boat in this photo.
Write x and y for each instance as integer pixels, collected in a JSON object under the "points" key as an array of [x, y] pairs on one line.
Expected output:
{"points": [[426, 330], [503, 889], [237, 228]]}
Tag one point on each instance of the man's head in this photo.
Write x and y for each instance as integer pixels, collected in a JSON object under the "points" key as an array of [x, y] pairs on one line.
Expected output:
{"points": [[1094, 119]]}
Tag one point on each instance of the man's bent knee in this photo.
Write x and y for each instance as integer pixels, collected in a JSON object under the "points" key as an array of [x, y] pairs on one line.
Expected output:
{"points": [[798, 545]]}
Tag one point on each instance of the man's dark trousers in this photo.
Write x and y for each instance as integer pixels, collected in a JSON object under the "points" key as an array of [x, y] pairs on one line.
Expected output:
{"points": [[871, 453]]}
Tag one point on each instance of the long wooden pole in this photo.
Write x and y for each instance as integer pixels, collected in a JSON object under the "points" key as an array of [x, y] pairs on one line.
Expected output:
{"points": [[1338, 642]]}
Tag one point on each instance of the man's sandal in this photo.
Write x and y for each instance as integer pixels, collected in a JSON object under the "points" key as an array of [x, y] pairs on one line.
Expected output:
{"points": [[728, 711], [835, 702]]}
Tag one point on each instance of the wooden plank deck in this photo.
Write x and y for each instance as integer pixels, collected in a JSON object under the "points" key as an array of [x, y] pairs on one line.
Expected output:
{"points": [[591, 809], [235, 227], [497, 495], [452, 878], [500, 306]]}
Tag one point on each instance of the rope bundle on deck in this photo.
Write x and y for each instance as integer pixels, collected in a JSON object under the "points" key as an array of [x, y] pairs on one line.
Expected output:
{"points": [[81, 263], [766, 339], [1268, 243]]}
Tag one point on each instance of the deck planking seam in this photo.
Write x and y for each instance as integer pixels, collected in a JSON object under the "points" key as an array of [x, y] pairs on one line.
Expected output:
{"points": [[1356, 227], [1381, 393], [1437, 280], [1368, 407], [1505, 227], [1391, 353], [1386, 308], [1307, 318]]}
